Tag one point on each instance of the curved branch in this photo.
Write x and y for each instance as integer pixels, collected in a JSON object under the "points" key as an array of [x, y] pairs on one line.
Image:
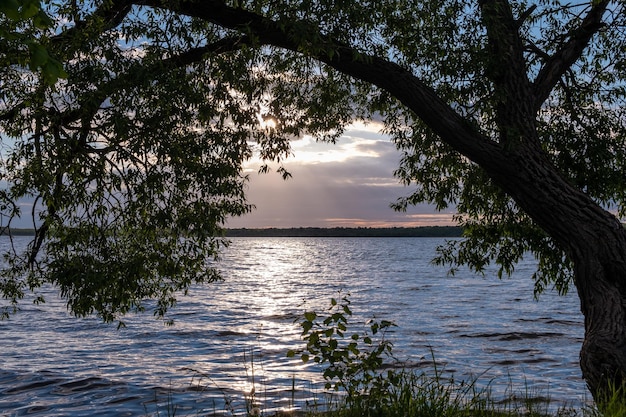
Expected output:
{"points": [[110, 14], [559, 63], [401, 83]]}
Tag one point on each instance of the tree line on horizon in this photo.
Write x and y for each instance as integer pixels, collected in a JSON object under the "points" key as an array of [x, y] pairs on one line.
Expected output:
{"points": [[420, 231]]}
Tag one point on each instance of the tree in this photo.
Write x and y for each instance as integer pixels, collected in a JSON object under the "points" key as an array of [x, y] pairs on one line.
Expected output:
{"points": [[511, 110]]}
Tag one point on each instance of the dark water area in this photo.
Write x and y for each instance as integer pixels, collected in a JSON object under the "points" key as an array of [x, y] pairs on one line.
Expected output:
{"points": [[232, 336]]}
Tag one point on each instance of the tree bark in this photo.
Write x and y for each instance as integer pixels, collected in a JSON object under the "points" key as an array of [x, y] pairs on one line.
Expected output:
{"points": [[600, 275], [596, 243], [603, 353]]}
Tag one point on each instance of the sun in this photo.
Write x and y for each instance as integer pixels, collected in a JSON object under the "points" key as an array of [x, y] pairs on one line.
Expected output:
{"points": [[268, 122]]}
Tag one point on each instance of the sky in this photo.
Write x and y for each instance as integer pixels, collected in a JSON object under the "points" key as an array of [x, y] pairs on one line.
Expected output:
{"points": [[347, 184]]}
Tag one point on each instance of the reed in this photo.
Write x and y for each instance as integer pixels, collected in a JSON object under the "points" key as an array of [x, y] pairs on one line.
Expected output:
{"points": [[416, 394]]}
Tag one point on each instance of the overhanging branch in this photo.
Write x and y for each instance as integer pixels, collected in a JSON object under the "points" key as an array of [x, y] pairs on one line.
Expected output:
{"points": [[562, 60], [104, 90], [304, 37]]}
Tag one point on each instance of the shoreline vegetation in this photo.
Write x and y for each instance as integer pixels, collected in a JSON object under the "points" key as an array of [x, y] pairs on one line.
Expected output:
{"points": [[363, 379], [421, 231], [5, 231]]}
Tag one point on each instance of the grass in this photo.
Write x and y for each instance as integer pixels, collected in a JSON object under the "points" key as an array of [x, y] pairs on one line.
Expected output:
{"points": [[402, 393], [412, 394]]}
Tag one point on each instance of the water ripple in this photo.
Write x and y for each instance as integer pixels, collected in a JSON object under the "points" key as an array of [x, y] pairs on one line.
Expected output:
{"points": [[233, 335]]}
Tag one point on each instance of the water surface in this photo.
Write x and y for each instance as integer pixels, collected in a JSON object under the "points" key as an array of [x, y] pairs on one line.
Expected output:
{"points": [[233, 335]]}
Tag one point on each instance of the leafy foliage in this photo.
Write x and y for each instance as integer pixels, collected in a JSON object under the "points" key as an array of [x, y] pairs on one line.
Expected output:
{"points": [[18, 22], [351, 362], [134, 162], [356, 364]]}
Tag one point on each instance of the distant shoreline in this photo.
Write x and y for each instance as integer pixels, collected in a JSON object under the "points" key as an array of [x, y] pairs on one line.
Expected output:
{"points": [[17, 232], [422, 231]]}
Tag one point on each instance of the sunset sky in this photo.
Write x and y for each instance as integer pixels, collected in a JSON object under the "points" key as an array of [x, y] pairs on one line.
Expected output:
{"points": [[349, 184]]}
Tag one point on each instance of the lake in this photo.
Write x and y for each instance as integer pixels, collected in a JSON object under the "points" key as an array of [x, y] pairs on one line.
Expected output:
{"points": [[231, 336]]}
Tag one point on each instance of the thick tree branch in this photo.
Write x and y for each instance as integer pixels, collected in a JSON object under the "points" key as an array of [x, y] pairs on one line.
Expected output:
{"points": [[104, 90], [507, 71], [560, 62], [400, 82], [506, 46]]}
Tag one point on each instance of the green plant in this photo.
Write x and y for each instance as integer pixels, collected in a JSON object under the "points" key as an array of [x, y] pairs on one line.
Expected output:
{"points": [[610, 404], [352, 361]]}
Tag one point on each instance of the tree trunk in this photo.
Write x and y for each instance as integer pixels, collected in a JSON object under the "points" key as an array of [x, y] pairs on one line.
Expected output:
{"points": [[600, 285], [596, 243]]}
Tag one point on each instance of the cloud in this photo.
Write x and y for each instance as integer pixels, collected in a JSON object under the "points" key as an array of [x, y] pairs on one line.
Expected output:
{"points": [[347, 184]]}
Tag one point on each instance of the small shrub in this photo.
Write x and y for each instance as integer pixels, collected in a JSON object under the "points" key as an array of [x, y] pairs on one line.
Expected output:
{"points": [[352, 361]]}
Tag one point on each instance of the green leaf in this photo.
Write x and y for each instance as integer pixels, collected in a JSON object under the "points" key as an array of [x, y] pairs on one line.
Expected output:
{"points": [[38, 56], [11, 8], [42, 20], [30, 9], [306, 326]]}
